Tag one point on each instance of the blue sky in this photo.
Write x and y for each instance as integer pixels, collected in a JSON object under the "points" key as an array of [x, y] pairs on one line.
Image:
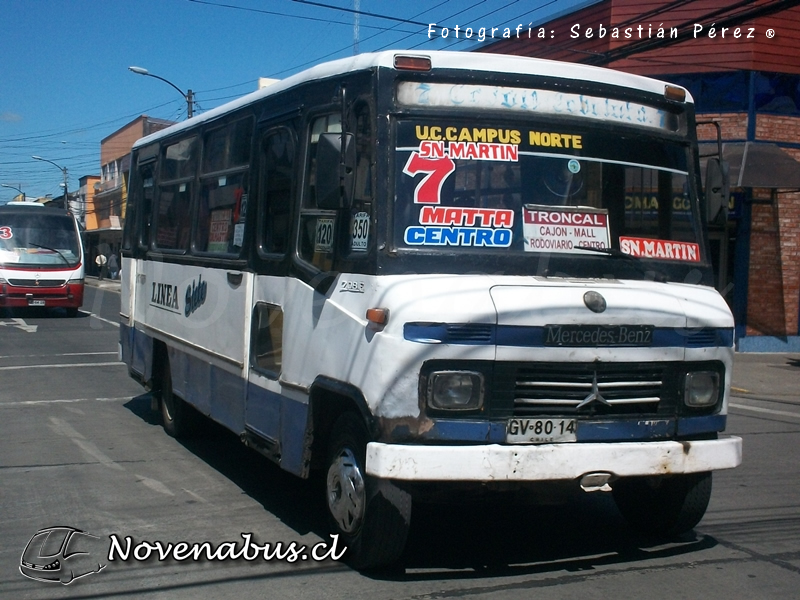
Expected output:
{"points": [[65, 84]]}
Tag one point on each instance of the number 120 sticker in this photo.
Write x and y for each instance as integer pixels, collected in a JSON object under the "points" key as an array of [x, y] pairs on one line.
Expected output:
{"points": [[324, 237]]}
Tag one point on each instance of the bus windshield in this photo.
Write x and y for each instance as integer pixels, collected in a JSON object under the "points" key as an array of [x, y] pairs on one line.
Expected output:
{"points": [[520, 191], [37, 240]]}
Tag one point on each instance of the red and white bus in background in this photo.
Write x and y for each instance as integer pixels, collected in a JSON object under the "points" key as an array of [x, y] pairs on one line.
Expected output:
{"points": [[41, 258]]}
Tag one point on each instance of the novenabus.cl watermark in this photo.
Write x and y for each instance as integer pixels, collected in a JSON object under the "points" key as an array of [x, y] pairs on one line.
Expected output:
{"points": [[64, 554], [126, 549]]}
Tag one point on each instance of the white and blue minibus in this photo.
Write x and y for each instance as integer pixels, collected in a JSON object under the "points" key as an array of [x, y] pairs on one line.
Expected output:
{"points": [[432, 270]]}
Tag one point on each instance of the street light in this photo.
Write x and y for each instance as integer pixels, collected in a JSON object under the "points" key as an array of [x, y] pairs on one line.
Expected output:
{"points": [[188, 96], [13, 187], [64, 171]]}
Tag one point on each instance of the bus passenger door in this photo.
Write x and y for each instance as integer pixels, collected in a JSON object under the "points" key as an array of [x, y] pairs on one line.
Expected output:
{"points": [[275, 415]]}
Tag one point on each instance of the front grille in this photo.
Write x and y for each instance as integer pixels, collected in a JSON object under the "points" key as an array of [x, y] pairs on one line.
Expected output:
{"points": [[593, 389], [42, 283]]}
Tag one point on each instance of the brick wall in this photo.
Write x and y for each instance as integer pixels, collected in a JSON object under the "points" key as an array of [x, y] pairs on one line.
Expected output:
{"points": [[766, 314], [778, 128], [733, 125], [789, 226], [773, 297]]}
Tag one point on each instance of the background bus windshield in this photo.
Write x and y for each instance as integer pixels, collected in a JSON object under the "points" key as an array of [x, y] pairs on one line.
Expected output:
{"points": [[38, 240], [550, 188]]}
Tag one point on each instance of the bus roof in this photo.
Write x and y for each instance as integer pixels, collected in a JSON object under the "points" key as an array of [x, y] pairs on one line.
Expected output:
{"points": [[493, 63], [27, 207]]}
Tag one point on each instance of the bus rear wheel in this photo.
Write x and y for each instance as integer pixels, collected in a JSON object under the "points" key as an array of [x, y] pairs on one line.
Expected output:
{"points": [[371, 516], [663, 506], [176, 415]]}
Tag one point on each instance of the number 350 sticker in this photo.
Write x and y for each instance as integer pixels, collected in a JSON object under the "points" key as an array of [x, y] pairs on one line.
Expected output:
{"points": [[360, 240]]}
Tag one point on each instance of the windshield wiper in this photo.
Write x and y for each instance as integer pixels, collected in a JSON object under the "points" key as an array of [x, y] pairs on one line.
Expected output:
{"points": [[635, 260], [64, 258]]}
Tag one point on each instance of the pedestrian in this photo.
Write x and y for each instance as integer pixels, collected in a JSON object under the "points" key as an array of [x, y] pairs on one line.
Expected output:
{"points": [[113, 265], [102, 265]]}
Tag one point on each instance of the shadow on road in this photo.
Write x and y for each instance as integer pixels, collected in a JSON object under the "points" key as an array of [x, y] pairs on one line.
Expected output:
{"points": [[495, 535]]}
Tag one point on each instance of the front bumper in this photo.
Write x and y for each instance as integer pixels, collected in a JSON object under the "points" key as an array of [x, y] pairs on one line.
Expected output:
{"points": [[67, 296], [550, 462]]}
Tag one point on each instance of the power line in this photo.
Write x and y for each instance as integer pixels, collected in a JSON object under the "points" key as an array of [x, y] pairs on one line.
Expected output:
{"points": [[281, 14], [360, 12], [460, 12]]}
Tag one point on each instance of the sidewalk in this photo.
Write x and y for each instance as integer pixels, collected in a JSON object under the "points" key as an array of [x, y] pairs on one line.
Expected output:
{"points": [[766, 375], [106, 284]]}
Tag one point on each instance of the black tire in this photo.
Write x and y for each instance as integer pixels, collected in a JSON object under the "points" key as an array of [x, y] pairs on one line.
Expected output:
{"points": [[663, 506], [177, 417], [371, 516]]}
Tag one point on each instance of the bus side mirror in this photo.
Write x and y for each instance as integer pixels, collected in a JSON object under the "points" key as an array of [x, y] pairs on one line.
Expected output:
{"points": [[718, 191], [335, 176]]}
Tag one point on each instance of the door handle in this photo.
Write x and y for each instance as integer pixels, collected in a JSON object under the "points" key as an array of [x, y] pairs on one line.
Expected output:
{"points": [[235, 278]]}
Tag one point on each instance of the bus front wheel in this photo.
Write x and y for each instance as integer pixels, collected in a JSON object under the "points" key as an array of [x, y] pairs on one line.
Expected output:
{"points": [[370, 515], [663, 506]]}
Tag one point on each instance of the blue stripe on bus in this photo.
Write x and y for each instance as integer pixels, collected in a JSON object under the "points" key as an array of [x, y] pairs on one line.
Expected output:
{"points": [[494, 432], [621, 431], [479, 334], [696, 425]]}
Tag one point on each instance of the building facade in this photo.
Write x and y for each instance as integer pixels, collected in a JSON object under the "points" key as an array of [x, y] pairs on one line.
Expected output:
{"points": [[82, 201], [105, 206], [739, 61]]}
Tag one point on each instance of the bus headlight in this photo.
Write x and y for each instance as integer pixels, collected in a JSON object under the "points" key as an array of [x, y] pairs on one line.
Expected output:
{"points": [[701, 389], [455, 390]]}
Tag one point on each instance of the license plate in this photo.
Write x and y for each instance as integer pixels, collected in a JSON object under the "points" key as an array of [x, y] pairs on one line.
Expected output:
{"points": [[540, 431], [35, 302]]}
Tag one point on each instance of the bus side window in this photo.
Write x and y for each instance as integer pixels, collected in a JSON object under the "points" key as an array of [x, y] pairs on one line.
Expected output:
{"points": [[140, 203], [318, 228], [359, 241], [136, 234], [222, 214], [172, 216], [325, 124], [277, 156], [222, 210], [146, 208], [266, 344]]}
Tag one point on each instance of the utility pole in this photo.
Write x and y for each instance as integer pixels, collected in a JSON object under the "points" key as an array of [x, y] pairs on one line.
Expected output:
{"points": [[188, 96], [64, 171]]}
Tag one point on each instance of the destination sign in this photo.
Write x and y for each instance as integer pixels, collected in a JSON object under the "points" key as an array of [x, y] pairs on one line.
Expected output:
{"points": [[539, 101], [564, 229]]}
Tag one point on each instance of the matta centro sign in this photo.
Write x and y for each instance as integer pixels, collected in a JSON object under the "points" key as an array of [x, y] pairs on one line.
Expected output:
{"points": [[564, 229]]}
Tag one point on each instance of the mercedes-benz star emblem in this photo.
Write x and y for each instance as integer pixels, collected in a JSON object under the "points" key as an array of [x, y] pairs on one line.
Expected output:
{"points": [[594, 395]]}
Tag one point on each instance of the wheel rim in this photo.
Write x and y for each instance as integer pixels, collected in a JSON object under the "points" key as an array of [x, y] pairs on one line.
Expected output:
{"points": [[167, 400], [346, 493], [168, 408]]}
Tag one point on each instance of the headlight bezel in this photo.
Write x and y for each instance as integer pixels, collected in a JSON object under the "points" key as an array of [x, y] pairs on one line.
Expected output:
{"points": [[702, 389], [440, 381]]}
